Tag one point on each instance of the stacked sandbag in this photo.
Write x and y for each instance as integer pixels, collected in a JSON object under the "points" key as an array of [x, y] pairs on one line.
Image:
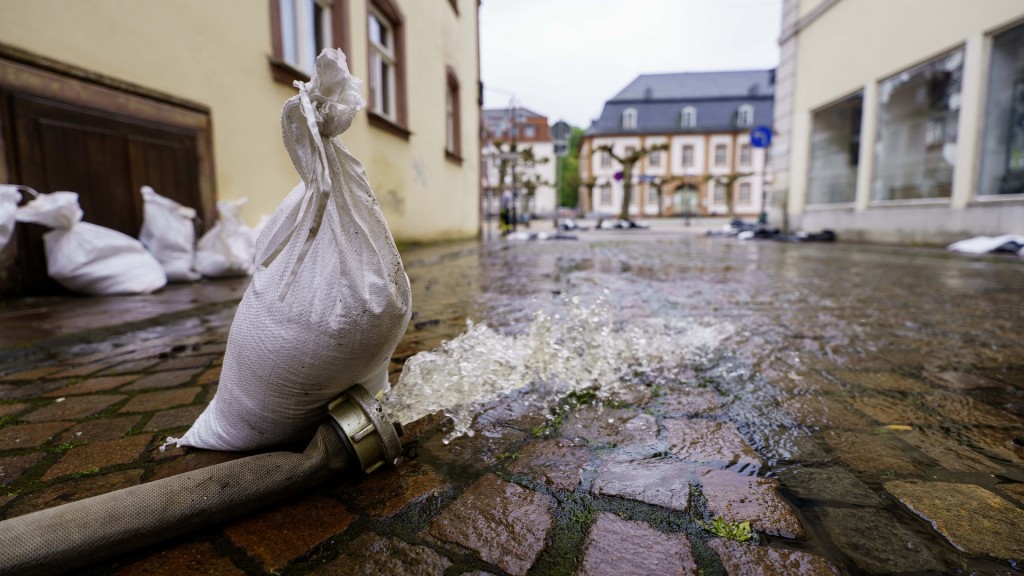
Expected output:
{"points": [[169, 233], [227, 249]]}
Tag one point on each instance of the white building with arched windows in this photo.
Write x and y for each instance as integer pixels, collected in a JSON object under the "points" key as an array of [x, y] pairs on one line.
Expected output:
{"points": [[705, 119]]}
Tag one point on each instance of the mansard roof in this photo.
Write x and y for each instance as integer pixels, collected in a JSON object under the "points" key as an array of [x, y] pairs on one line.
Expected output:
{"points": [[659, 100]]}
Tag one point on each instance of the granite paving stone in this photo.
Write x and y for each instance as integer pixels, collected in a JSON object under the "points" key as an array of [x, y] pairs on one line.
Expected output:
{"points": [[868, 452], [160, 400], [948, 451], [209, 376], [167, 379], [73, 407], [888, 381], [182, 417], [556, 462], [12, 467], [965, 410], [132, 367], [186, 558], [373, 555], [98, 455], [889, 410], [972, 518], [1014, 491], [274, 537], [711, 443], [30, 374], [629, 548], [99, 430], [492, 506], [599, 425], [659, 481], [183, 362], [876, 542], [831, 484], [387, 492], [8, 409], [824, 412], [90, 385], [741, 559], [738, 498], [29, 435], [690, 402]]}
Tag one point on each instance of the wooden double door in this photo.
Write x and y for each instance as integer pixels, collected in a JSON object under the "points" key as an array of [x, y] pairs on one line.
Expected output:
{"points": [[97, 148]]}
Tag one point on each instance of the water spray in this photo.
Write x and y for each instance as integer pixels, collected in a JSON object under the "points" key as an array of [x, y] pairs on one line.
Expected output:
{"points": [[358, 434]]}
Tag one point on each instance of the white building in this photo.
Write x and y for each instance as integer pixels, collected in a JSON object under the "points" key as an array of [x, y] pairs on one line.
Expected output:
{"points": [[705, 119], [536, 179], [901, 121]]}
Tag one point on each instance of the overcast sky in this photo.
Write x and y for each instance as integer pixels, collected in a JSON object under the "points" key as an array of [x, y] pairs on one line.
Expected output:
{"points": [[564, 58]]}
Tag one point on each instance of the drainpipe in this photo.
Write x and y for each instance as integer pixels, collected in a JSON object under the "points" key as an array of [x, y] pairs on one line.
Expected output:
{"points": [[358, 433]]}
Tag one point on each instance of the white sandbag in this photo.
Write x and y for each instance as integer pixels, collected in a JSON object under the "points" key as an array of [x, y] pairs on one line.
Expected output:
{"points": [[168, 232], [986, 244], [227, 249], [9, 198], [88, 258], [329, 299]]}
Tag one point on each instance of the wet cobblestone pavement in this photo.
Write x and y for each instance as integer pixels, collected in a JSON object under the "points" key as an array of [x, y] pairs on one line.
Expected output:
{"points": [[866, 415]]}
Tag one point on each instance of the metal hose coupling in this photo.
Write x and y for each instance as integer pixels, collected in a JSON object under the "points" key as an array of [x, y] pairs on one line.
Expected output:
{"points": [[366, 428]]}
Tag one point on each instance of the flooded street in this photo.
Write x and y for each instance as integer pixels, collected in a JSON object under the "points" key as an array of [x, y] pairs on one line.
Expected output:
{"points": [[882, 388]]}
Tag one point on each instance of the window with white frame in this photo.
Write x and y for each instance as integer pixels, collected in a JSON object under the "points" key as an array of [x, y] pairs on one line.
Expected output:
{"points": [[744, 154], [835, 151], [606, 194], [744, 193], [719, 193], [720, 154], [687, 155], [652, 195], [688, 117], [529, 131], [383, 66], [606, 159], [629, 151], [655, 158], [745, 115], [629, 118], [306, 28]]}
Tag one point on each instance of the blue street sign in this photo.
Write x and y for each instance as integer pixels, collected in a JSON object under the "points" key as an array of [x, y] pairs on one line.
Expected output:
{"points": [[761, 137]]}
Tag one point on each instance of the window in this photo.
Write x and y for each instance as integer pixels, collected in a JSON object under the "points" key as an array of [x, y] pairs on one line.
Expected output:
{"points": [[629, 118], [744, 192], [606, 159], [386, 77], [453, 143], [744, 154], [688, 117], [629, 151], [719, 193], [655, 158], [1002, 158], [301, 29], [606, 194], [915, 152], [529, 131], [745, 115], [720, 154], [688, 155], [835, 152], [652, 195]]}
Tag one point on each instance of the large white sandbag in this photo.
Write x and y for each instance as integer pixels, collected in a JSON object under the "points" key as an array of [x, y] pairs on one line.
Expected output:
{"points": [[329, 299], [9, 198], [227, 249], [168, 232], [88, 258]]}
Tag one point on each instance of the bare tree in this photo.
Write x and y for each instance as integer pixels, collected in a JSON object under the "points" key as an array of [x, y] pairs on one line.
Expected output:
{"points": [[627, 162], [728, 180]]}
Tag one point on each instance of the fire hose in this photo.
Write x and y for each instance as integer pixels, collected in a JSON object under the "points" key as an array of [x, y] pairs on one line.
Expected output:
{"points": [[358, 432]]}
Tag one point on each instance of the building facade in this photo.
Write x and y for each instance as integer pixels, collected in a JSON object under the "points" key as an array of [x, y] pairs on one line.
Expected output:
{"points": [[534, 170], [916, 137], [186, 96], [705, 120]]}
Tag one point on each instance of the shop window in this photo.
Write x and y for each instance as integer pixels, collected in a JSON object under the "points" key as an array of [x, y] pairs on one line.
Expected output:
{"points": [[1002, 159], [915, 153], [835, 152]]}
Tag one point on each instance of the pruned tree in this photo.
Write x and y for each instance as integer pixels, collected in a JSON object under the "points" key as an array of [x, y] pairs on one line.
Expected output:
{"points": [[728, 180], [628, 161]]}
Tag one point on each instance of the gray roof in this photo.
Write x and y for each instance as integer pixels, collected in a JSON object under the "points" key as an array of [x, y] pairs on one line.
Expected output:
{"points": [[716, 96]]}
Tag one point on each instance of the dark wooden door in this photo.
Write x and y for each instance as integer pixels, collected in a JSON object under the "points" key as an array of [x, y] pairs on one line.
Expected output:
{"points": [[104, 157]]}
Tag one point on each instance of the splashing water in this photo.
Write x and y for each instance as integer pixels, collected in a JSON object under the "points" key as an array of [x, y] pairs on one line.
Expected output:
{"points": [[580, 349]]}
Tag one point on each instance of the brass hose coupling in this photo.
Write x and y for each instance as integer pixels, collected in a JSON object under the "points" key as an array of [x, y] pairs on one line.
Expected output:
{"points": [[366, 427]]}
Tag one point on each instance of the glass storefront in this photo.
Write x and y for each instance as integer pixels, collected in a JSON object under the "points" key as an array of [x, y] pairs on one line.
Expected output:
{"points": [[835, 152], [915, 151], [1002, 158]]}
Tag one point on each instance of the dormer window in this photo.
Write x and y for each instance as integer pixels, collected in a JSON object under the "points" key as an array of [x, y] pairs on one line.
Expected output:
{"points": [[629, 117], [688, 117], [745, 115]]}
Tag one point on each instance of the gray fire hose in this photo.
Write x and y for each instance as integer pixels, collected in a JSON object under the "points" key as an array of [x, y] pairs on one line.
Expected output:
{"points": [[79, 533]]}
